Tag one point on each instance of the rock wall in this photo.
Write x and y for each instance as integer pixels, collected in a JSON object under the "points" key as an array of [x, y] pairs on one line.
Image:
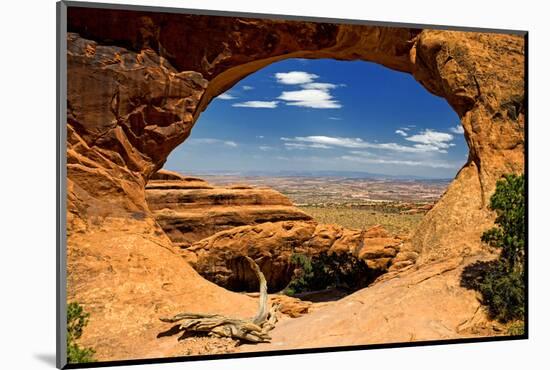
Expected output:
{"points": [[137, 83], [134, 125]]}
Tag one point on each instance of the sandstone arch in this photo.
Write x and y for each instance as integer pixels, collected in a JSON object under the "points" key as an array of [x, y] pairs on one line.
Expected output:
{"points": [[138, 81]]}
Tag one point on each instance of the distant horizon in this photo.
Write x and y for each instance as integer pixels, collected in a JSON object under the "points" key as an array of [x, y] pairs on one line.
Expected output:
{"points": [[306, 173], [326, 115]]}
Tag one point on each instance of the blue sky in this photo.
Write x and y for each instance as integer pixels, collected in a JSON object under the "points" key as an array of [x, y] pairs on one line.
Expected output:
{"points": [[311, 115]]}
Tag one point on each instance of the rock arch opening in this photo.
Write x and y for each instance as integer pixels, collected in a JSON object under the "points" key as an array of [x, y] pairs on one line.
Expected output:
{"points": [[483, 86], [346, 146]]}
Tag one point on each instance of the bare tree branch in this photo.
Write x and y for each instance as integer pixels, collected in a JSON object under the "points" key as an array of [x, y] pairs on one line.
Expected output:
{"points": [[252, 330]]}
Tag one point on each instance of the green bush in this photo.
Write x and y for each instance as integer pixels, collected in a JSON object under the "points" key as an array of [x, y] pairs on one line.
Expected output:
{"points": [[503, 284], [509, 203], [77, 319], [503, 292], [323, 271]]}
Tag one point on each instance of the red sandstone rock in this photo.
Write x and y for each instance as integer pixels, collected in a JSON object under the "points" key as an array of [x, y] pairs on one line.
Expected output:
{"points": [[220, 258], [137, 81], [166, 175], [189, 210]]}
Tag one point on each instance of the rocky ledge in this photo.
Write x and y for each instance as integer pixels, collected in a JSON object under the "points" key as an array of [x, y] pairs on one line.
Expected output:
{"points": [[189, 209]]}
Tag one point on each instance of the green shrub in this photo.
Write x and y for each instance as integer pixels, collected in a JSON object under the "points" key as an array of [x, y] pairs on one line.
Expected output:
{"points": [[323, 271], [503, 284], [516, 328], [77, 319], [303, 274], [509, 203], [503, 293]]}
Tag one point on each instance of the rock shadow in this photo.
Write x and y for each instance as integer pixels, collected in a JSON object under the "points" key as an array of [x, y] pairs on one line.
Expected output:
{"points": [[473, 274]]}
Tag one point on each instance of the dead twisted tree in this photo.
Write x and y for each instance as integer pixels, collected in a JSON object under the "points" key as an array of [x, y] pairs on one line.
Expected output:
{"points": [[253, 330]]}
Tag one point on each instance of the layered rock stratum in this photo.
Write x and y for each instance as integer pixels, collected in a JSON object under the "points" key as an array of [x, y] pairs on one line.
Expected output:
{"points": [[189, 209], [137, 82]]}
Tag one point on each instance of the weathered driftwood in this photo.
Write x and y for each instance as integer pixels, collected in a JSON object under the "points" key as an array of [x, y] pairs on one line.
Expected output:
{"points": [[255, 329]]}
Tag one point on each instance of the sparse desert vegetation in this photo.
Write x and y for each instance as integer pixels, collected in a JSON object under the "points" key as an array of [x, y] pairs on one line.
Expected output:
{"points": [[77, 319], [358, 203], [364, 218]]}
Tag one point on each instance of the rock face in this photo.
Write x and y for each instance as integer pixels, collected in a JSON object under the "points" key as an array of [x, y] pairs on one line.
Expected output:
{"points": [[220, 258], [480, 75], [137, 82], [189, 209]]}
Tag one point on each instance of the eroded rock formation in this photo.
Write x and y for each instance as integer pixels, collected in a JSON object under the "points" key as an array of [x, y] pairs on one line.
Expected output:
{"points": [[190, 209], [137, 82], [221, 257]]}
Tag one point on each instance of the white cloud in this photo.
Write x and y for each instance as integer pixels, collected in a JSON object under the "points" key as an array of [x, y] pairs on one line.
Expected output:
{"points": [[335, 118], [300, 146], [432, 164], [257, 104], [295, 77], [211, 141], [225, 96], [312, 94], [458, 129], [260, 137], [429, 139], [362, 153], [405, 149], [247, 87], [327, 140], [319, 86], [265, 148], [401, 132], [357, 143], [303, 146], [310, 98], [320, 146]]}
